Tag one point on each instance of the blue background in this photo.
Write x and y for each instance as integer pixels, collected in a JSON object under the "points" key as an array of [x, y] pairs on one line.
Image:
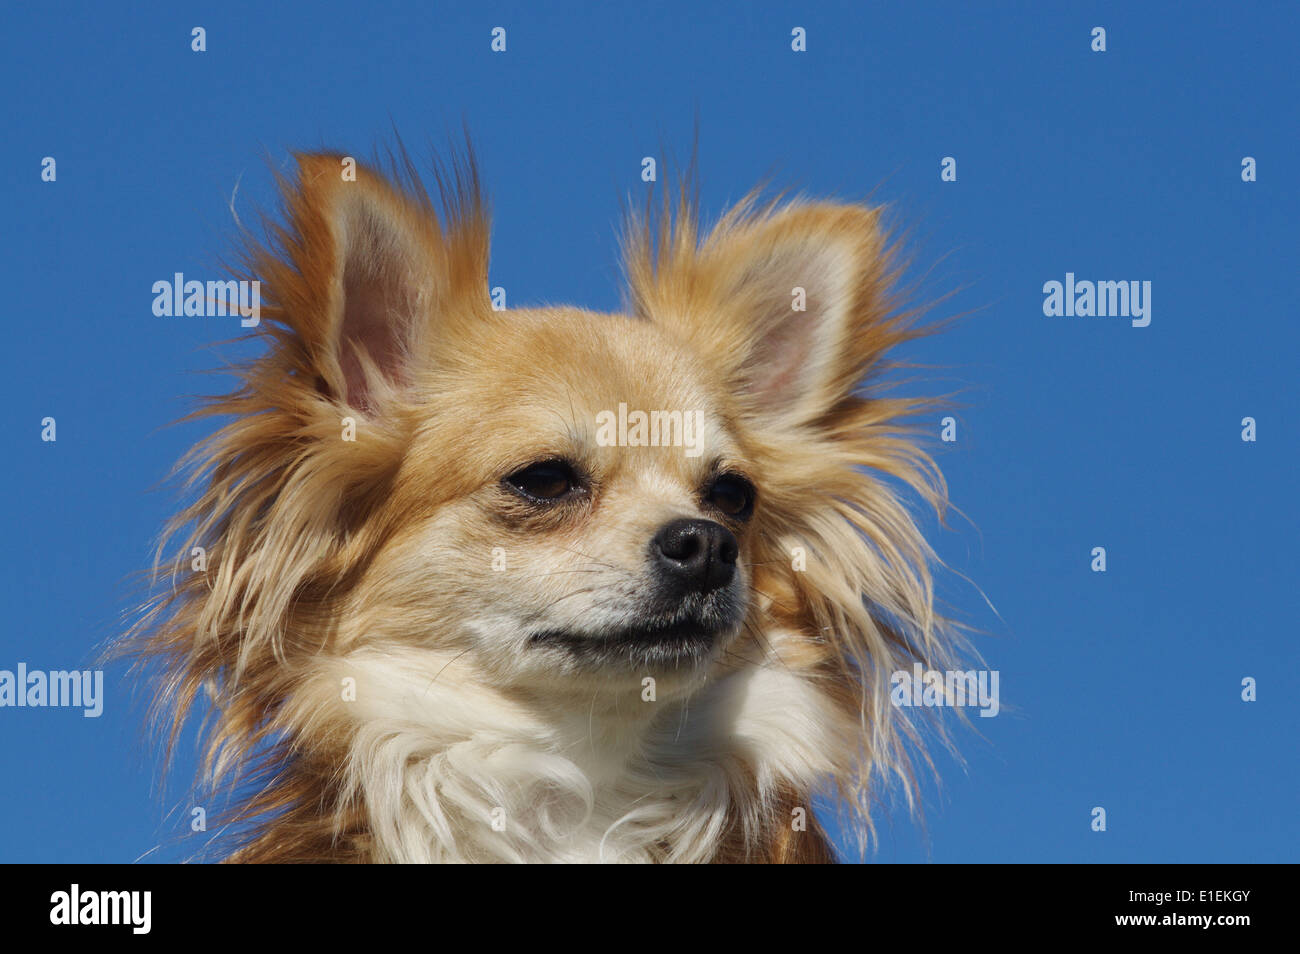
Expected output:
{"points": [[1120, 689]]}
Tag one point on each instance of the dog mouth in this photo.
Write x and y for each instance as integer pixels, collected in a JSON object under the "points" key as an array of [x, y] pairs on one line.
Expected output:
{"points": [[680, 639], [682, 635]]}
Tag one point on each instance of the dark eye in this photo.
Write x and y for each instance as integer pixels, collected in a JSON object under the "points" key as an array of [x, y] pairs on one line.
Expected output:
{"points": [[549, 480], [733, 495]]}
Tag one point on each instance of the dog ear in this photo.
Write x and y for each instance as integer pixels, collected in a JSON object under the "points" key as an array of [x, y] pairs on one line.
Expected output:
{"points": [[364, 274], [792, 305]]}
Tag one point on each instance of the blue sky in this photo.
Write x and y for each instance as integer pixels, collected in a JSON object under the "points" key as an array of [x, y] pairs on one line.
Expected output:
{"points": [[1120, 689]]}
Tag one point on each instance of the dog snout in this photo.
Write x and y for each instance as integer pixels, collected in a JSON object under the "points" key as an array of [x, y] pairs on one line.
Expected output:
{"points": [[696, 555]]}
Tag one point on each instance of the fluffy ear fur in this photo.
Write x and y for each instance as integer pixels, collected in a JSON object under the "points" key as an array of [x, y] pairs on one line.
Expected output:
{"points": [[366, 277], [792, 304]]}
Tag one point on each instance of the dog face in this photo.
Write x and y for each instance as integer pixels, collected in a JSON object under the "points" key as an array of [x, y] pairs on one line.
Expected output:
{"points": [[598, 523]]}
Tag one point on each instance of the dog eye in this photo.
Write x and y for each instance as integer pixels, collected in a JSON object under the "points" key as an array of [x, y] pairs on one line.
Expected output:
{"points": [[733, 495], [549, 480]]}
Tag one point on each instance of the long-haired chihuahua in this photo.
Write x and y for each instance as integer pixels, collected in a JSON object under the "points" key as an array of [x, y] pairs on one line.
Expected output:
{"points": [[548, 584]]}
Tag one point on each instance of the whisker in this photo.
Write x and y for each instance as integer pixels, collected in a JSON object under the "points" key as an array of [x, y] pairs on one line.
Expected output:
{"points": [[554, 602], [775, 602], [756, 631], [549, 573], [587, 556]]}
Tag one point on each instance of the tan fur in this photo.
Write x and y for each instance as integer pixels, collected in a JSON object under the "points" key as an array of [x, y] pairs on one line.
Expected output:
{"points": [[371, 560]]}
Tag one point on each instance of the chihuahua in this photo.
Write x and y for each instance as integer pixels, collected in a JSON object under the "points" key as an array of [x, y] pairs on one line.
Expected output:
{"points": [[469, 584]]}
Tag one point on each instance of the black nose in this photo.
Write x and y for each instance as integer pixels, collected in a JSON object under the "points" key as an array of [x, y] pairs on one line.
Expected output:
{"points": [[697, 555]]}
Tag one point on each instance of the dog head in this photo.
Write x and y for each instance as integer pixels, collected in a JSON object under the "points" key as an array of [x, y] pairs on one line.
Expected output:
{"points": [[556, 502]]}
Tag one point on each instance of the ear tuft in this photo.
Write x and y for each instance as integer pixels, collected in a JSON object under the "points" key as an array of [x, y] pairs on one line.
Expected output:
{"points": [[364, 272], [790, 303]]}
